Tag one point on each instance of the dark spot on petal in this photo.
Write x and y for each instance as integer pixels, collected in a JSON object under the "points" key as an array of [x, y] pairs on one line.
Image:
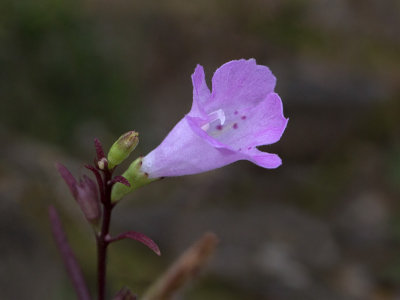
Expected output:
{"points": [[236, 112], [249, 148], [243, 117], [219, 127], [240, 149], [235, 126]]}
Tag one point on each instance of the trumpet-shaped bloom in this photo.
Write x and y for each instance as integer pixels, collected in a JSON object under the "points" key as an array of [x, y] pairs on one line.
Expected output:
{"points": [[225, 125]]}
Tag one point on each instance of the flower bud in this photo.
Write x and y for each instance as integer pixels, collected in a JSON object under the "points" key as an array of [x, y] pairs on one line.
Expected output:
{"points": [[88, 199], [121, 149], [136, 178], [85, 193]]}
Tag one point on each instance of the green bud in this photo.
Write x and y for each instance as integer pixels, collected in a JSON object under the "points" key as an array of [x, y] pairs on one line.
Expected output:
{"points": [[121, 149], [136, 178]]}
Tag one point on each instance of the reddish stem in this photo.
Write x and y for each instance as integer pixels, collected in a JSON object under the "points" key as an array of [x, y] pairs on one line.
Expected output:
{"points": [[102, 242]]}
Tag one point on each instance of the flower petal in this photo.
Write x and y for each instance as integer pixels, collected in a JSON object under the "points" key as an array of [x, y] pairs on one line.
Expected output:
{"points": [[260, 158], [264, 159], [240, 84], [185, 152], [263, 124], [201, 93], [194, 124]]}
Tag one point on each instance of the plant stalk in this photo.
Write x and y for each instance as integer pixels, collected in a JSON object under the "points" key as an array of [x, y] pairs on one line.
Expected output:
{"points": [[102, 242]]}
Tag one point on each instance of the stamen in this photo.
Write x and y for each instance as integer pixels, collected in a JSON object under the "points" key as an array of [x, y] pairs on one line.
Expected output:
{"points": [[206, 126], [214, 116], [217, 115]]}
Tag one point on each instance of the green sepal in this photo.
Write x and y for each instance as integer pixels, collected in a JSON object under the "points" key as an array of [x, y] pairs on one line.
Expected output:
{"points": [[136, 178]]}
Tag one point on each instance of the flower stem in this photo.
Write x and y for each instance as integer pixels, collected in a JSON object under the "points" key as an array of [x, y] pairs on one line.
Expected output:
{"points": [[102, 242]]}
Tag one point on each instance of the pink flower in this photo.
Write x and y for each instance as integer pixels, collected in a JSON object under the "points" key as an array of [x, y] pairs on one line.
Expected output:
{"points": [[226, 125]]}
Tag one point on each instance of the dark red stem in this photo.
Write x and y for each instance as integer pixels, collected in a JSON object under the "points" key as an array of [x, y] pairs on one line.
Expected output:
{"points": [[102, 241]]}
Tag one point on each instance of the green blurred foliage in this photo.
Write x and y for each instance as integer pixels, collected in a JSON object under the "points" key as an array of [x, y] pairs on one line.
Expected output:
{"points": [[54, 74]]}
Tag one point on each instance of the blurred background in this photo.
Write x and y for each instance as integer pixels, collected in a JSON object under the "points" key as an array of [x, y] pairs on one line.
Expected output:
{"points": [[325, 225]]}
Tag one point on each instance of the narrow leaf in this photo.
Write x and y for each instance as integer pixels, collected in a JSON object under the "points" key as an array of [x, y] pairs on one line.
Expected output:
{"points": [[124, 294], [70, 262], [99, 149], [140, 237], [68, 178]]}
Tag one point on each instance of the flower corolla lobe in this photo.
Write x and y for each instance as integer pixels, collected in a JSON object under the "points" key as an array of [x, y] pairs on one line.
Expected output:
{"points": [[225, 125]]}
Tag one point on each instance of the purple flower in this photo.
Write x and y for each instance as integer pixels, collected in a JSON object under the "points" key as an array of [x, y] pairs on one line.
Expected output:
{"points": [[226, 125]]}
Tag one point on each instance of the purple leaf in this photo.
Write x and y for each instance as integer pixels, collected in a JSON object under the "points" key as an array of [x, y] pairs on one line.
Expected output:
{"points": [[70, 262], [99, 149], [96, 173], [124, 294], [89, 183], [99, 180], [120, 179], [140, 237], [68, 178]]}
